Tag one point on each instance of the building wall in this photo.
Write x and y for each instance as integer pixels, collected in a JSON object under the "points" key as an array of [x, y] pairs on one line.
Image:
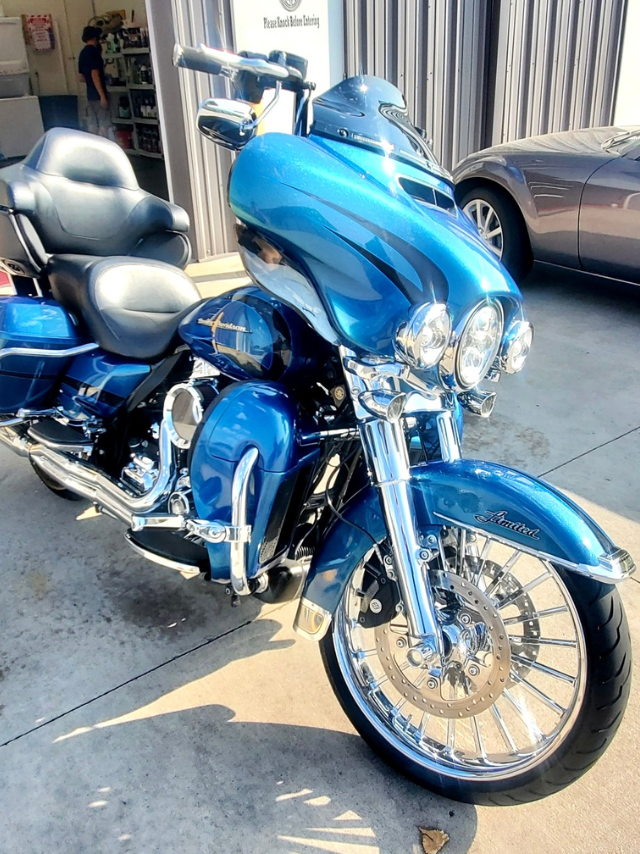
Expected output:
{"points": [[474, 73], [556, 66], [480, 72], [55, 72], [436, 54]]}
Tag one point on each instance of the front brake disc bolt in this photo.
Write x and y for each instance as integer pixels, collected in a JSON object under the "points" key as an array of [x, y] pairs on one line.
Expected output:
{"points": [[431, 684], [431, 540], [401, 643], [465, 619], [474, 670], [425, 554]]}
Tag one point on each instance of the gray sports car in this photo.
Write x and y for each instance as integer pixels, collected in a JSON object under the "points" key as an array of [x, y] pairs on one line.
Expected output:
{"points": [[570, 198]]}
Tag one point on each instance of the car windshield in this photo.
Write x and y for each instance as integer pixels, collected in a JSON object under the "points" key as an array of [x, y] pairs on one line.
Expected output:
{"points": [[622, 143], [371, 113]]}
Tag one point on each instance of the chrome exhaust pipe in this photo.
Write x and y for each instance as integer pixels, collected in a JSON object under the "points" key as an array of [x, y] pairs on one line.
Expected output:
{"points": [[12, 439], [85, 480]]}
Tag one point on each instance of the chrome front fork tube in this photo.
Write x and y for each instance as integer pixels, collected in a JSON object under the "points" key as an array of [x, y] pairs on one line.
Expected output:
{"points": [[386, 453], [387, 458]]}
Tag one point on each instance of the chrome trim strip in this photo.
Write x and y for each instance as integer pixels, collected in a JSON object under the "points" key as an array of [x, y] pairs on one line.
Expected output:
{"points": [[611, 569], [48, 354], [449, 436], [11, 422], [344, 433], [184, 568], [239, 492]]}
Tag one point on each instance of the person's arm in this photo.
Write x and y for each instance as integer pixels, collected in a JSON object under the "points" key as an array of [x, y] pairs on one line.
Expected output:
{"points": [[97, 82]]}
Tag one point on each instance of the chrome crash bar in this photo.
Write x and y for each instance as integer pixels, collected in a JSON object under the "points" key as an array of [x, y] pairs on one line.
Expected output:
{"points": [[47, 354]]}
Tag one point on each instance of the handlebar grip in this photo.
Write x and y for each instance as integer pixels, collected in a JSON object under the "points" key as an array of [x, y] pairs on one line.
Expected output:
{"points": [[195, 60]]}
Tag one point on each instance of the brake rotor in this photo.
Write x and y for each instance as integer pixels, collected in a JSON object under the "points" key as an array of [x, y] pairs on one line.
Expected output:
{"points": [[476, 661]]}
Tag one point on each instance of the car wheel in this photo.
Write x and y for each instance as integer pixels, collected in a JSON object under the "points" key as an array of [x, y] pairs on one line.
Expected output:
{"points": [[500, 223]]}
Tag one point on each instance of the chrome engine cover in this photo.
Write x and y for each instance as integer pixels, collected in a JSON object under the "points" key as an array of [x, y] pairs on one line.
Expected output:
{"points": [[184, 408]]}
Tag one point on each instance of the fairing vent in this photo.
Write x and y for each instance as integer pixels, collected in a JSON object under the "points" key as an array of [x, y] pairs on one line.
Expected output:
{"points": [[426, 195]]}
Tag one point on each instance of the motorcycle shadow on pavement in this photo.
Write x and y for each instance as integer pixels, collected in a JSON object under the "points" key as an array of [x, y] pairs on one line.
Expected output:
{"points": [[237, 747]]}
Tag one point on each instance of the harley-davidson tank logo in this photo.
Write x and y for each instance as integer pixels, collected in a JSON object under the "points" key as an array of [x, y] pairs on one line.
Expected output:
{"points": [[216, 322], [500, 518]]}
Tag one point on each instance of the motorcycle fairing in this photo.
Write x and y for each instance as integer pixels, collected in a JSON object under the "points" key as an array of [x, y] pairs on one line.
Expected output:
{"points": [[503, 503], [264, 416], [349, 219]]}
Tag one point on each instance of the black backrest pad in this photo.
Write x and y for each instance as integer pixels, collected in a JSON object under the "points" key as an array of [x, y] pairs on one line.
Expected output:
{"points": [[81, 195]]}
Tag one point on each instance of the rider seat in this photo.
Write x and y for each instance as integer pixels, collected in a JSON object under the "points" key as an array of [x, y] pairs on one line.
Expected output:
{"points": [[129, 306], [77, 193]]}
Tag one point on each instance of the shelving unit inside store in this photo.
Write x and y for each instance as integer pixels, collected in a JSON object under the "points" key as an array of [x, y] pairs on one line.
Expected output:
{"points": [[132, 92]]}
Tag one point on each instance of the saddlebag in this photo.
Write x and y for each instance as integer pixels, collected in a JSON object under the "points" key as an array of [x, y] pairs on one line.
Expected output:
{"points": [[28, 323]]}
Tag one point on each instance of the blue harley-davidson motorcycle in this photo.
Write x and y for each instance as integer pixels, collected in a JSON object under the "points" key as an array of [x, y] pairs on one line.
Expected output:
{"points": [[302, 436]]}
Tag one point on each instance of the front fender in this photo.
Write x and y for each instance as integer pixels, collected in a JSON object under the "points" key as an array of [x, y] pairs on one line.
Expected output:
{"points": [[507, 505]]}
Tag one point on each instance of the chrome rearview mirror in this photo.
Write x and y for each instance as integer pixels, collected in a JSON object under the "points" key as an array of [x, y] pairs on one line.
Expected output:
{"points": [[232, 124], [228, 123]]}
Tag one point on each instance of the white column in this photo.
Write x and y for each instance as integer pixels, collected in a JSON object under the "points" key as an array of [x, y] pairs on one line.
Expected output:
{"points": [[627, 106]]}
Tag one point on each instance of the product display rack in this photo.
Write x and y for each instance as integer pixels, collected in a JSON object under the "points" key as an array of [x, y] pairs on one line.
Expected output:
{"points": [[132, 93]]}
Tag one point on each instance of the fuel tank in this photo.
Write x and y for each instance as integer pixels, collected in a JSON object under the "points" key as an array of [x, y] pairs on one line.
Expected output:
{"points": [[248, 334], [372, 231]]}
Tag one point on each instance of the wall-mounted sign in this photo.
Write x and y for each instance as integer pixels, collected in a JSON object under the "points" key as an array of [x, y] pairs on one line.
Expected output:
{"points": [[38, 31], [308, 28]]}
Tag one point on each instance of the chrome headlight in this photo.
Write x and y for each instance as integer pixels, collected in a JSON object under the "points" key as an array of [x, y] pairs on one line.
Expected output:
{"points": [[516, 346], [478, 345], [423, 339]]}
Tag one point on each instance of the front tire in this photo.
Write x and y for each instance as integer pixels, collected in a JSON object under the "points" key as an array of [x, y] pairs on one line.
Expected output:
{"points": [[508, 767], [500, 224]]}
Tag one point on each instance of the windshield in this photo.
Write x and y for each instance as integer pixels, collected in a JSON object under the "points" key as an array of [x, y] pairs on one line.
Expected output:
{"points": [[622, 143], [371, 113]]}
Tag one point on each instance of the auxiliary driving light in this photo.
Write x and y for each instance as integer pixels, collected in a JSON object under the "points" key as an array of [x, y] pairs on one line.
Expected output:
{"points": [[516, 346]]}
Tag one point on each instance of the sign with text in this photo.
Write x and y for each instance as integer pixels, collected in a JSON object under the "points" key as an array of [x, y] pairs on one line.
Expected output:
{"points": [[308, 28]]}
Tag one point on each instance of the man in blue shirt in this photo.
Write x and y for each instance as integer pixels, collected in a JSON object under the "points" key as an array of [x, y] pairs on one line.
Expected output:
{"points": [[91, 68]]}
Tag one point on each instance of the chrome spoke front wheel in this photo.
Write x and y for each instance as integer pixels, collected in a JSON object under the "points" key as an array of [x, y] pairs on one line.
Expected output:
{"points": [[512, 678], [487, 221]]}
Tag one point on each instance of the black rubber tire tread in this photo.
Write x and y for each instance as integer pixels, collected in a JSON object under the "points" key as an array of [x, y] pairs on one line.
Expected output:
{"points": [[516, 246], [55, 487], [608, 647]]}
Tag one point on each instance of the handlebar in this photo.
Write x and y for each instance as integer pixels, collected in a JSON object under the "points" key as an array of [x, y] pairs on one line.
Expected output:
{"points": [[210, 60], [195, 60]]}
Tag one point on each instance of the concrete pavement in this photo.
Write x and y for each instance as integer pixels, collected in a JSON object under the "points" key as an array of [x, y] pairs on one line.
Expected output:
{"points": [[140, 713]]}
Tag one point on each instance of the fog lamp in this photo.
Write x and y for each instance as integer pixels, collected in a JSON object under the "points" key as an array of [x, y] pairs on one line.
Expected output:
{"points": [[516, 346]]}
